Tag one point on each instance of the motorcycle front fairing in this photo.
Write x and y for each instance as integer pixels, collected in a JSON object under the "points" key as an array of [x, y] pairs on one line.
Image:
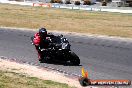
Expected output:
{"points": [[60, 48]]}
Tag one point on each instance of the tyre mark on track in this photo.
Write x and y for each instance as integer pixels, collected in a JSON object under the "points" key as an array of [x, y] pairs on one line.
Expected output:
{"points": [[102, 45]]}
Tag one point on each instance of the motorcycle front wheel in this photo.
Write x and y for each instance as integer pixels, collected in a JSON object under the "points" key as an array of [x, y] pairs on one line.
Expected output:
{"points": [[74, 59]]}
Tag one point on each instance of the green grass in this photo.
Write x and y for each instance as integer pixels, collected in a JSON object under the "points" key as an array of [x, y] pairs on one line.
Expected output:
{"points": [[15, 80], [102, 23]]}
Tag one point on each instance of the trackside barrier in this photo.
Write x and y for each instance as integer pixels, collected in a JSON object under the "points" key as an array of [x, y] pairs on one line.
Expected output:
{"points": [[42, 4], [90, 8]]}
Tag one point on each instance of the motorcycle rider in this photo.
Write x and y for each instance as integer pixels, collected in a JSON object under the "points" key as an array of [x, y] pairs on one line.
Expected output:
{"points": [[41, 42]]}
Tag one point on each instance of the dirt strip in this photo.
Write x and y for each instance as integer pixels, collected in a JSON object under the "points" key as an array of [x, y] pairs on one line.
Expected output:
{"points": [[35, 71]]}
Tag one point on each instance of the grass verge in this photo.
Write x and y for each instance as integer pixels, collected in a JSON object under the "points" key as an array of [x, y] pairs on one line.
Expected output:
{"points": [[16, 80], [102, 23]]}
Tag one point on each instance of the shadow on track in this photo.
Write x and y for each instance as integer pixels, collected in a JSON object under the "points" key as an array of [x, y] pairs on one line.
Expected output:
{"points": [[56, 62]]}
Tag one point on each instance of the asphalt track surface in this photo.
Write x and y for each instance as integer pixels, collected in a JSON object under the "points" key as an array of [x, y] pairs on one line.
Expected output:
{"points": [[102, 58]]}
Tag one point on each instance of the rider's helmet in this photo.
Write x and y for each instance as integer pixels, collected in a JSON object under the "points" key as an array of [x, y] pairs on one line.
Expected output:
{"points": [[42, 32]]}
